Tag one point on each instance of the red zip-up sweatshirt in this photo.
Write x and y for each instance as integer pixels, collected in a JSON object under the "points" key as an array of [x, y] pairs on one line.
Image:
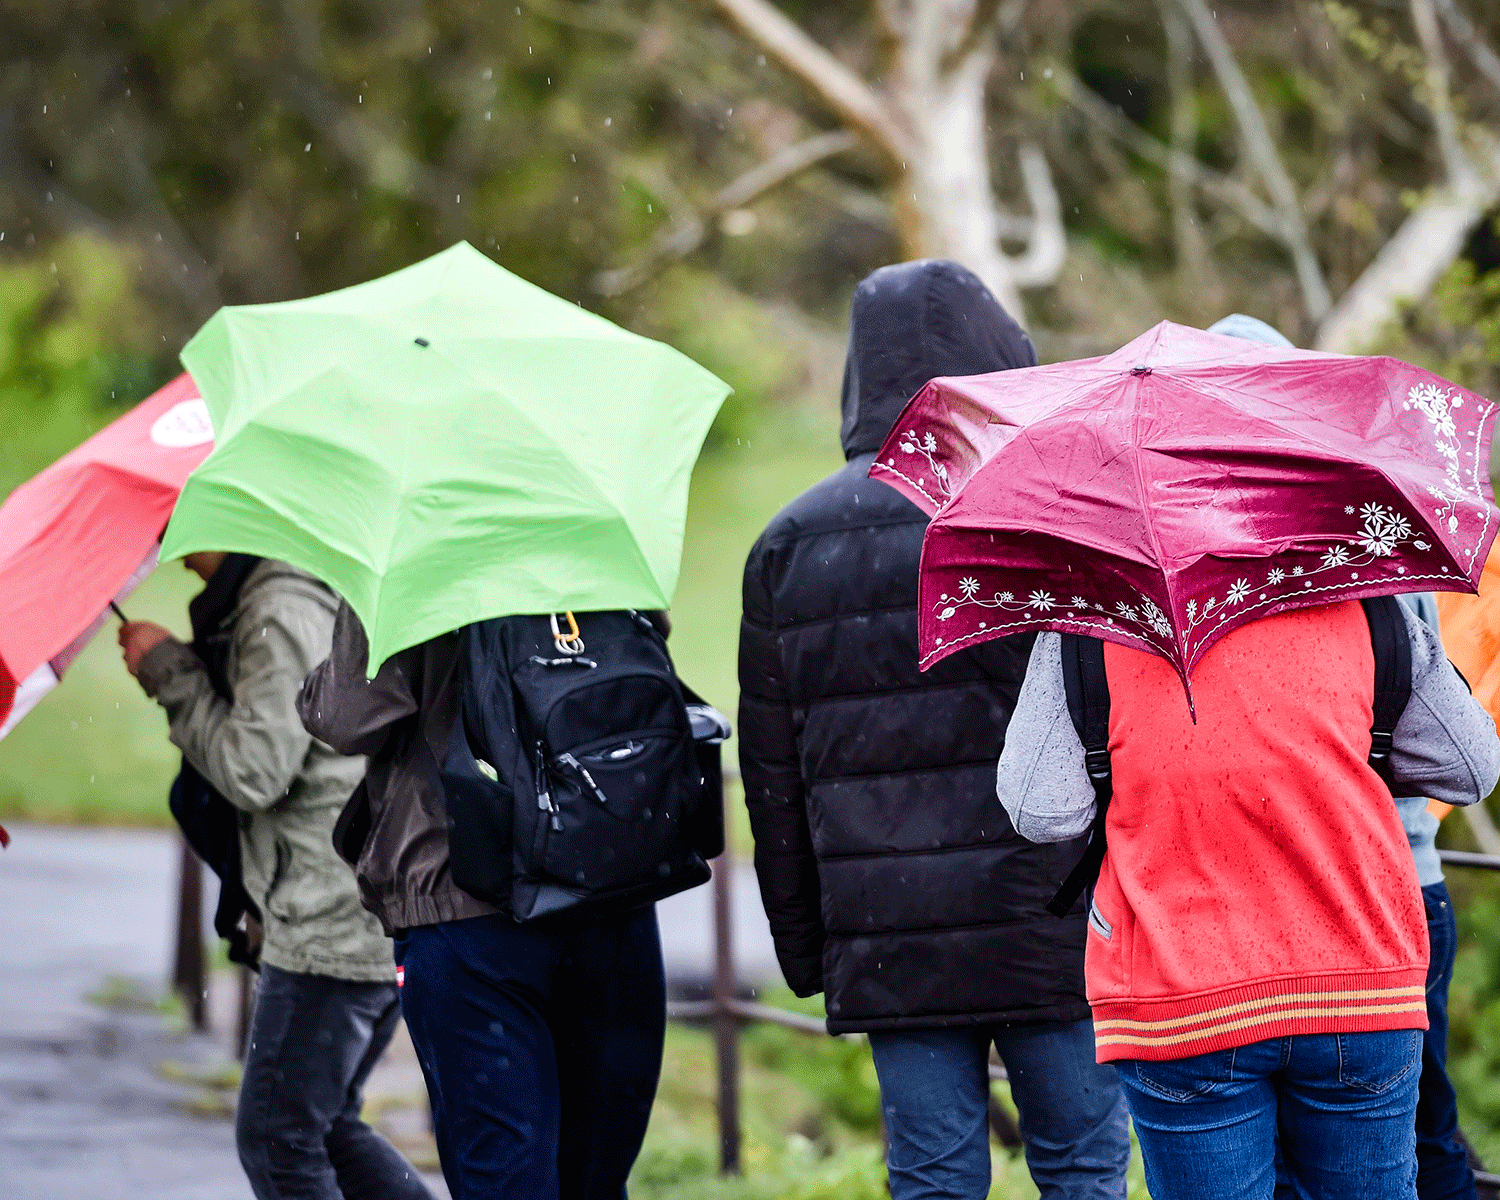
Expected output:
{"points": [[1258, 881]]}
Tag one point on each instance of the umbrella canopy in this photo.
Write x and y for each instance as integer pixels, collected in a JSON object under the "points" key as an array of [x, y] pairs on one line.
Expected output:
{"points": [[1164, 494], [83, 533], [447, 444]]}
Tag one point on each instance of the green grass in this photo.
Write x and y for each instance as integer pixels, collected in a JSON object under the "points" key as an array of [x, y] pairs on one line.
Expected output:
{"points": [[810, 1123], [95, 752]]}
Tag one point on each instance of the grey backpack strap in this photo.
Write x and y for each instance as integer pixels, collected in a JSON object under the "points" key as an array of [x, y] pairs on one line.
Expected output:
{"points": [[1087, 691]]}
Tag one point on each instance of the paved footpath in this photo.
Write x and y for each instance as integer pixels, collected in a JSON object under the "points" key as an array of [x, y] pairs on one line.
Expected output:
{"points": [[108, 1101]]}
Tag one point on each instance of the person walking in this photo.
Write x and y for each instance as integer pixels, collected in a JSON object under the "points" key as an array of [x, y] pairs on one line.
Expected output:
{"points": [[326, 1005], [893, 882], [1257, 950], [541, 1044], [1443, 1170]]}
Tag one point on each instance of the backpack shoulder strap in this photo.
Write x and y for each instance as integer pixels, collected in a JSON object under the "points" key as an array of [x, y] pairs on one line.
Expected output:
{"points": [[1392, 646], [1087, 691]]}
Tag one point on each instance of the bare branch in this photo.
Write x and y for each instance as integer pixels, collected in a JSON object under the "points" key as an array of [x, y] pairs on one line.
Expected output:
{"points": [[1407, 267], [1481, 54], [1262, 153], [848, 96], [1011, 14], [779, 168], [1225, 189], [981, 21], [1191, 245], [678, 241], [1433, 235], [1482, 825], [1456, 164], [1047, 244]]}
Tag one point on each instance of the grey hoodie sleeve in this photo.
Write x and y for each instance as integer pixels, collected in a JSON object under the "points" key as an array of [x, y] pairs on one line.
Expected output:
{"points": [[1041, 780], [1445, 746]]}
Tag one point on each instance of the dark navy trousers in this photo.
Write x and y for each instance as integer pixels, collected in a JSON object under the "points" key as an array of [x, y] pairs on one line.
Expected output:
{"points": [[541, 1048], [1443, 1171]]}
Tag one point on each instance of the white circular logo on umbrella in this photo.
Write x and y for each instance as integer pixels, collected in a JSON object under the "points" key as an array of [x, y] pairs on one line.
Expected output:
{"points": [[184, 424]]}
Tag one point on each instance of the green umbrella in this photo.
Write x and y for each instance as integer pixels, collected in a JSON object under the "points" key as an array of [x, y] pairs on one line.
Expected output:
{"points": [[447, 444]]}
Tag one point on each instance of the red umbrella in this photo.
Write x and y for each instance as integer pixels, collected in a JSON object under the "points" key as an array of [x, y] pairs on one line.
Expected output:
{"points": [[84, 532], [1169, 492]]}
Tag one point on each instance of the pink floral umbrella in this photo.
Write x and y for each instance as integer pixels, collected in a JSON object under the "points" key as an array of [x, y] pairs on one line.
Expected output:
{"points": [[1169, 492]]}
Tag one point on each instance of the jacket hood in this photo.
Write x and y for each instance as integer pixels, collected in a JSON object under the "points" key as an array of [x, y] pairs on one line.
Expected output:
{"points": [[913, 322], [1252, 329], [278, 576]]}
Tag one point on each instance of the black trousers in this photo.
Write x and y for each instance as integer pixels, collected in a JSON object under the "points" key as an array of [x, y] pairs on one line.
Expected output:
{"points": [[313, 1042], [541, 1048]]}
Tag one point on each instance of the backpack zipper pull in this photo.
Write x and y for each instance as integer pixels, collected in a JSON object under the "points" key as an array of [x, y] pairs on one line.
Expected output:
{"points": [[569, 761], [543, 795]]}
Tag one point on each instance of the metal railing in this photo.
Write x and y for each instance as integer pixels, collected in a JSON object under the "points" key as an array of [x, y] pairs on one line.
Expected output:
{"points": [[726, 1011]]}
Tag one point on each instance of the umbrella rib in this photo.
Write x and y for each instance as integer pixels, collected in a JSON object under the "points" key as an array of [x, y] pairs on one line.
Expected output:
{"points": [[1139, 473]]}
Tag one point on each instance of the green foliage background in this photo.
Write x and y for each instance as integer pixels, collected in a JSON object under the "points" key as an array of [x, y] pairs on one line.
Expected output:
{"points": [[158, 159]]}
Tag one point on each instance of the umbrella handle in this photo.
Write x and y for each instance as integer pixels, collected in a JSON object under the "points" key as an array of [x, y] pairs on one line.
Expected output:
{"points": [[115, 608], [570, 642]]}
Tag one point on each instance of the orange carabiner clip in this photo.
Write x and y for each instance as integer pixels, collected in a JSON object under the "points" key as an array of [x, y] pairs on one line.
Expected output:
{"points": [[570, 642]]}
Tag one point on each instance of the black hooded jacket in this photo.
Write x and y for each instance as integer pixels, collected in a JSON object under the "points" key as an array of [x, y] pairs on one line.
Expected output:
{"points": [[891, 875]]}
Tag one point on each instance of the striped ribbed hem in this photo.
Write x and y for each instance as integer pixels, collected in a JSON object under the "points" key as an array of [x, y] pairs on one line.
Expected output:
{"points": [[1181, 1027]]}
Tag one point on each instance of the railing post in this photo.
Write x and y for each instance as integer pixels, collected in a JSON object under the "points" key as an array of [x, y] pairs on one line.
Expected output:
{"points": [[726, 1024], [246, 1013], [187, 964]]}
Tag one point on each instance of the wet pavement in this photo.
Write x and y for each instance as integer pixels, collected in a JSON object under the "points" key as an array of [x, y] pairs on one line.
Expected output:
{"points": [[103, 1096]]}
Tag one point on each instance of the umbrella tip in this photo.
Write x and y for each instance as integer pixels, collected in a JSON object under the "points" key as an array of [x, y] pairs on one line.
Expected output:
{"points": [[1141, 370], [421, 341]]}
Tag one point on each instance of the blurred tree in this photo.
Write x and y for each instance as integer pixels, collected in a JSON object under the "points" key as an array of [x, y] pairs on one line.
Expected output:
{"points": [[928, 122]]}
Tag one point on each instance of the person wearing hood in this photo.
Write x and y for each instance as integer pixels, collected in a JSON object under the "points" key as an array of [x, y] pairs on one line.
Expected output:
{"points": [[893, 880], [326, 1005]]}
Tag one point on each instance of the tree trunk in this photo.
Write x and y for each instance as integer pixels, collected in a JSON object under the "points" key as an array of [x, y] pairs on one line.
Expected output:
{"points": [[945, 198], [1407, 267]]}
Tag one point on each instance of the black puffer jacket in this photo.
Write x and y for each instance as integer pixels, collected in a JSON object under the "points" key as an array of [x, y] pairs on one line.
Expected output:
{"points": [[891, 875]]}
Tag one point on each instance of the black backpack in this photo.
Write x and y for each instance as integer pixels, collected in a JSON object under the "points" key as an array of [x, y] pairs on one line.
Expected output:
{"points": [[583, 776], [1088, 705]]}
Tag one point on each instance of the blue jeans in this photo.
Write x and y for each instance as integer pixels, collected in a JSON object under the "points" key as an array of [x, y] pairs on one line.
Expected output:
{"points": [[935, 1087], [313, 1043], [1442, 1168], [541, 1048], [1342, 1105]]}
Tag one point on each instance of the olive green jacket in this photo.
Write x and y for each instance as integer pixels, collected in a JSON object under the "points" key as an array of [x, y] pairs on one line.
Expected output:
{"points": [[288, 787]]}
